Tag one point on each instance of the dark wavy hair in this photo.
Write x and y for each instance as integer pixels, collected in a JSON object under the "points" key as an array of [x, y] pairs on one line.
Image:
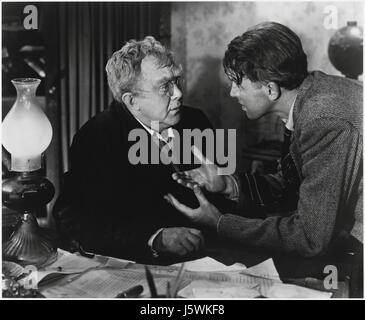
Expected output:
{"points": [[267, 52]]}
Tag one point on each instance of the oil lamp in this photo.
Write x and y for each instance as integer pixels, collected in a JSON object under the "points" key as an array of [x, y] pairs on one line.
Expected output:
{"points": [[26, 134]]}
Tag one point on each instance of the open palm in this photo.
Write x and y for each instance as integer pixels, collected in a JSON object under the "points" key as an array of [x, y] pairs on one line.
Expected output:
{"points": [[205, 176]]}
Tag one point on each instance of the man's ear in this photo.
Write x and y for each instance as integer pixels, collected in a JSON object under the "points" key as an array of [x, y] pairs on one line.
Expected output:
{"points": [[129, 100], [273, 91]]}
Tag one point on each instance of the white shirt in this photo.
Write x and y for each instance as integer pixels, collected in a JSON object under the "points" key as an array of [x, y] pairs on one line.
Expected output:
{"points": [[160, 136], [289, 123]]}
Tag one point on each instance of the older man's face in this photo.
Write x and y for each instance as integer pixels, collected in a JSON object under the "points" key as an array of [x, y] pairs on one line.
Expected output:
{"points": [[158, 95]]}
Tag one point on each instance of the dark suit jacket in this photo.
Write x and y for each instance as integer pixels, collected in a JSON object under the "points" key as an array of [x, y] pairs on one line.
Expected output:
{"points": [[109, 205], [326, 175]]}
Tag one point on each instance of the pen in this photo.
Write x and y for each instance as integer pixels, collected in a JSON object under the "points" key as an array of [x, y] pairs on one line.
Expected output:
{"points": [[132, 292], [151, 283], [178, 280]]}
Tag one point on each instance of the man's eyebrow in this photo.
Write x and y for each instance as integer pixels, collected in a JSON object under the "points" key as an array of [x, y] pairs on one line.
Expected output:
{"points": [[165, 79], [168, 78]]}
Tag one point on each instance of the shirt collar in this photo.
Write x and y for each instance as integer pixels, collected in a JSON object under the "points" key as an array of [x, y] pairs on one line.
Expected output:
{"points": [[289, 123], [169, 131]]}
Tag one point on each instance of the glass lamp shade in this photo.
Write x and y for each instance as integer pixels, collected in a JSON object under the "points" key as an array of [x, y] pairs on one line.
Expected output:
{"points": [[26, 130]]}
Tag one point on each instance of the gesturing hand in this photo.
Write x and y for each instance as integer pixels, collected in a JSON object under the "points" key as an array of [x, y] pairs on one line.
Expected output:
{"points": [[205, 176], [180, 241], [206, 214]]}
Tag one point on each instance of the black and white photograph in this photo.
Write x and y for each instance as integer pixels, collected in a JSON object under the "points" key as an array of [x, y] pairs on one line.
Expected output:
{"points": [[158, 151]]}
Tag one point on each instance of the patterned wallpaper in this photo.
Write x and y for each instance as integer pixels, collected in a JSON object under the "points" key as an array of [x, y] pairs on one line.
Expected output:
{"points": [[200, 33]]}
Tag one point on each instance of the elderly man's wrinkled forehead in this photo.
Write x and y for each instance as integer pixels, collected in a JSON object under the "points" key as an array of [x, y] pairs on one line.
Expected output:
{"points": [[153, 70]]}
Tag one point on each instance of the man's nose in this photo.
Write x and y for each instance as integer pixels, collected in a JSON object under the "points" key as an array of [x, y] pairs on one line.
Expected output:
{"points": [[177, 93], [234, 90]]}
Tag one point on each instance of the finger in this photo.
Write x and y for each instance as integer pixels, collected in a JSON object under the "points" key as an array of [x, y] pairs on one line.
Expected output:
{"points": [[186, 182], [195, 232], [181, 250], [167, 198], [198, 154], [200, 195], [196, 241], [193, 242], [178, 175], [198, 236], [179, 206], [189, 174], [189, 245]]}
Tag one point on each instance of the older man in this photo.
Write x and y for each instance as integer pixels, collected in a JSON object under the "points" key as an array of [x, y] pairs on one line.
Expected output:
{"points": [[109, 205], [320, 180]]}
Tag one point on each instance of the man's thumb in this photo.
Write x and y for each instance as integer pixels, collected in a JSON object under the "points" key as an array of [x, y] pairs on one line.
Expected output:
{"points": [[200, 195]]}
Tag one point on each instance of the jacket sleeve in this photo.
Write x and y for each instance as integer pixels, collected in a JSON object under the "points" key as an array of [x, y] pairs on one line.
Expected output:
{"points": [[257, 191], [331, 162]]}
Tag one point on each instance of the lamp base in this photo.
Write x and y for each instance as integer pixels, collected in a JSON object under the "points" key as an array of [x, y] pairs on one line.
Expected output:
{"points": [[30, 244]]}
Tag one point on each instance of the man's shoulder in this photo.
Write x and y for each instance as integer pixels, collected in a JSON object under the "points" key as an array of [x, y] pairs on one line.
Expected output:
{"points": [[330, 97], [109, 120]]}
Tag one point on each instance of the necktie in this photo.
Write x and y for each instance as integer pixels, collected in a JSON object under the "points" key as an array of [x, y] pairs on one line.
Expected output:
{"points": [[286, 144], [287, 164], [166, 150], [162, 143]]}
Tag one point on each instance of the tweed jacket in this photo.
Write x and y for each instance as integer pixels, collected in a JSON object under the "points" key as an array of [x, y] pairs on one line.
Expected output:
{"points": [[325, 177]]}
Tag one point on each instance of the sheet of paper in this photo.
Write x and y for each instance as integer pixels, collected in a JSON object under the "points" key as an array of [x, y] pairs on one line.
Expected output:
{"points": [[208, 264], [290, 291], [103, 283], [66, 263], [265, 269], [117, 263], [263, 278], [218, 290], [71, 263], [262, 283]]}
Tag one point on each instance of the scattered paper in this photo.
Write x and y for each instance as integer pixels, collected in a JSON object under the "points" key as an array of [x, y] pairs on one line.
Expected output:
{"points": [[81, 277], [71, 263], [117, 263], [208, 264], [290, 291], [218, 290], [264, 269], [260, 280], [66, 263], [103, 283]]}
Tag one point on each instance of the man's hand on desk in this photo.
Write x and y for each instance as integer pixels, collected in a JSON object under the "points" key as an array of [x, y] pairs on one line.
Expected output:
{"points": [[206, 214], [180, 241]]}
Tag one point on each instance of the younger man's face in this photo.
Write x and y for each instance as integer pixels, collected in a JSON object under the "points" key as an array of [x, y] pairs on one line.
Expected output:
{"points": [[252, 97], [158, 94]]}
